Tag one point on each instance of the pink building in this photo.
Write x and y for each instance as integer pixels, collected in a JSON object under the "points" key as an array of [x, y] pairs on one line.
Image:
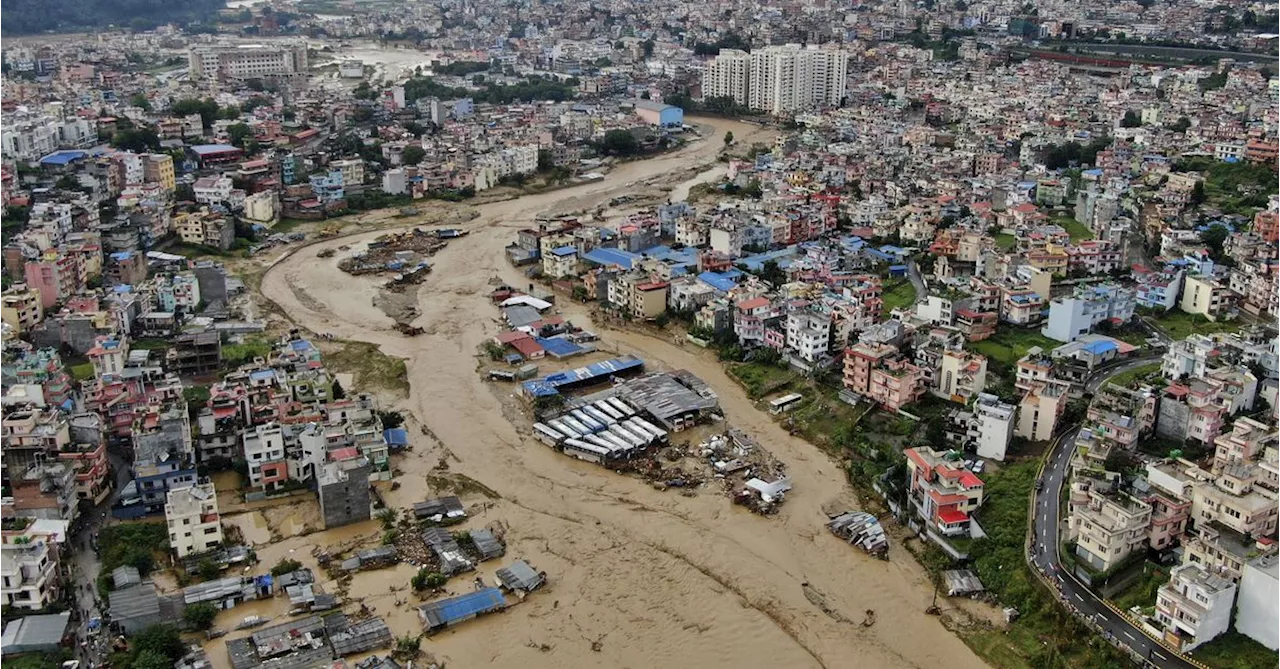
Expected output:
{"points": [[55, 276]]}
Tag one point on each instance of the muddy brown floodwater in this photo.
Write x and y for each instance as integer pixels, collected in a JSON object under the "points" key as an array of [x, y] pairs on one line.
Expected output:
{"points": [[656, 578]]}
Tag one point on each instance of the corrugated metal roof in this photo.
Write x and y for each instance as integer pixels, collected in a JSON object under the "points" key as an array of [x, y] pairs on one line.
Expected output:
{"points": [[457, 609]]}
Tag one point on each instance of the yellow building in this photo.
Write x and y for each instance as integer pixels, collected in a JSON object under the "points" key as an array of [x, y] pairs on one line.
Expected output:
{"points": [[158, 168], [1204, 296], [20, 308]]}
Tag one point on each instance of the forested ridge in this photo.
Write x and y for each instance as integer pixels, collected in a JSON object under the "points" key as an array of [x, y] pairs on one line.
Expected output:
{"points": [[18, 17]]}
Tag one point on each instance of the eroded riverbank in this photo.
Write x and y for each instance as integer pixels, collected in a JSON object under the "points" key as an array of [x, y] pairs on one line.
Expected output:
{"points": [[655, 578]]}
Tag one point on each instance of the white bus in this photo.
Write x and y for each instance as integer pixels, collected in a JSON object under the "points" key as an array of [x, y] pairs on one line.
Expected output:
{"points": [[584, 451], [547, 435], [607, 409], [599, 415], [785, 403], [622, 406]]}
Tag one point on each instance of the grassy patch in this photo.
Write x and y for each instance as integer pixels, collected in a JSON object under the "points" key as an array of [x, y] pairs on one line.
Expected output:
{"points": [[1142, 592], [1143, 373], [898, 293], [1005, 242], [1045, 635], [1179, 324], [1234, 650], [459, 484], [133, 544], [287, 225], [761, 379], [372, 368], [234, 355], [81, 372], [1078, 231], [1008, 345], [1235, 188], [39, 661], [818, 418]]}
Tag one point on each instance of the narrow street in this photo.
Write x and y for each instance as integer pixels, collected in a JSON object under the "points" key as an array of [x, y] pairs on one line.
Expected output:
{"points": [[1045, 550]]}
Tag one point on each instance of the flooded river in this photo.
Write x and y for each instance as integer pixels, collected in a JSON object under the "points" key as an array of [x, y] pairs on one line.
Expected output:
{"points": [[638, 577]]}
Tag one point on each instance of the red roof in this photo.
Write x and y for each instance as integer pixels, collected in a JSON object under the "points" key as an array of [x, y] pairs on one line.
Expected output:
{"points": [[952, 516], [340, 454], [527, 347], [754, 303], [511, 336]]}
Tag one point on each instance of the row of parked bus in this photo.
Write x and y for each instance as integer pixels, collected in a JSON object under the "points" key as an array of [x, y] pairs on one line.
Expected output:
{"points": [[600, 431]]}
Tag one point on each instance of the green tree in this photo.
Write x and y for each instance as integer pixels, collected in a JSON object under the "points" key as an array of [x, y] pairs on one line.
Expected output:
{"points": [[619, 143], [337, 391], [149, 659], [137, 140], [200, 615], [648, 48], [285, 566], [238, 133], [728, 138], [546, 160], [207, 570], [140, 100], [207, 109], [1181, 124], [1197, 194], [413, 155], [162, 640], [1215, 238], [1130, 120]]}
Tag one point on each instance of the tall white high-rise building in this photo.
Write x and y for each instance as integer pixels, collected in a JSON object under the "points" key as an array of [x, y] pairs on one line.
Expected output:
{"points": [[726, 76], [791, 78]]}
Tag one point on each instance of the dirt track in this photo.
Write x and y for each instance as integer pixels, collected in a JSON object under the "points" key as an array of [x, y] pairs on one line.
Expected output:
{"points": [[659, 579]]}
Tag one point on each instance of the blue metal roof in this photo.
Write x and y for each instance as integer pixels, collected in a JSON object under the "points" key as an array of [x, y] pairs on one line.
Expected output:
{"points": [[720, 281], [608, 257], [62, 157], [558, 346], [564, 251], [548, 384], [462, 607], [396, 436], [1101, 346]]}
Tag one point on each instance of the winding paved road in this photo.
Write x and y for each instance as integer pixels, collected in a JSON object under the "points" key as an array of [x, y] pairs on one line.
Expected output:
{"points": [[1045, 548]]}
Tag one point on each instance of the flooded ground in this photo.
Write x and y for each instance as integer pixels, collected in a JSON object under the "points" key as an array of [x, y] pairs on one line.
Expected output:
{"points": [[638, 577]]}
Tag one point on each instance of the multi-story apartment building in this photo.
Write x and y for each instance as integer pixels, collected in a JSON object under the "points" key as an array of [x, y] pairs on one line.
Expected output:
{"points": [[1257, 615], [247, 61], [55, 275], [878, 373], [1246, 442], [191, 514], [808, 335], [1078, 313], [30, 575], [1233, 500], [991, 427], [961, 376], [264, 451], [1107, 527], [792, 78], [1041, 406], [1194, 606], [1206, 296], [1170, 499], [728, 75], [943, 493], [21, 308]]}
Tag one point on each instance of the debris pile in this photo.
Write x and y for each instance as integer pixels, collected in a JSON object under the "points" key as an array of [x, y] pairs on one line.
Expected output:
{"points": [[400, 252], [861, 529], [751, 475]]}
